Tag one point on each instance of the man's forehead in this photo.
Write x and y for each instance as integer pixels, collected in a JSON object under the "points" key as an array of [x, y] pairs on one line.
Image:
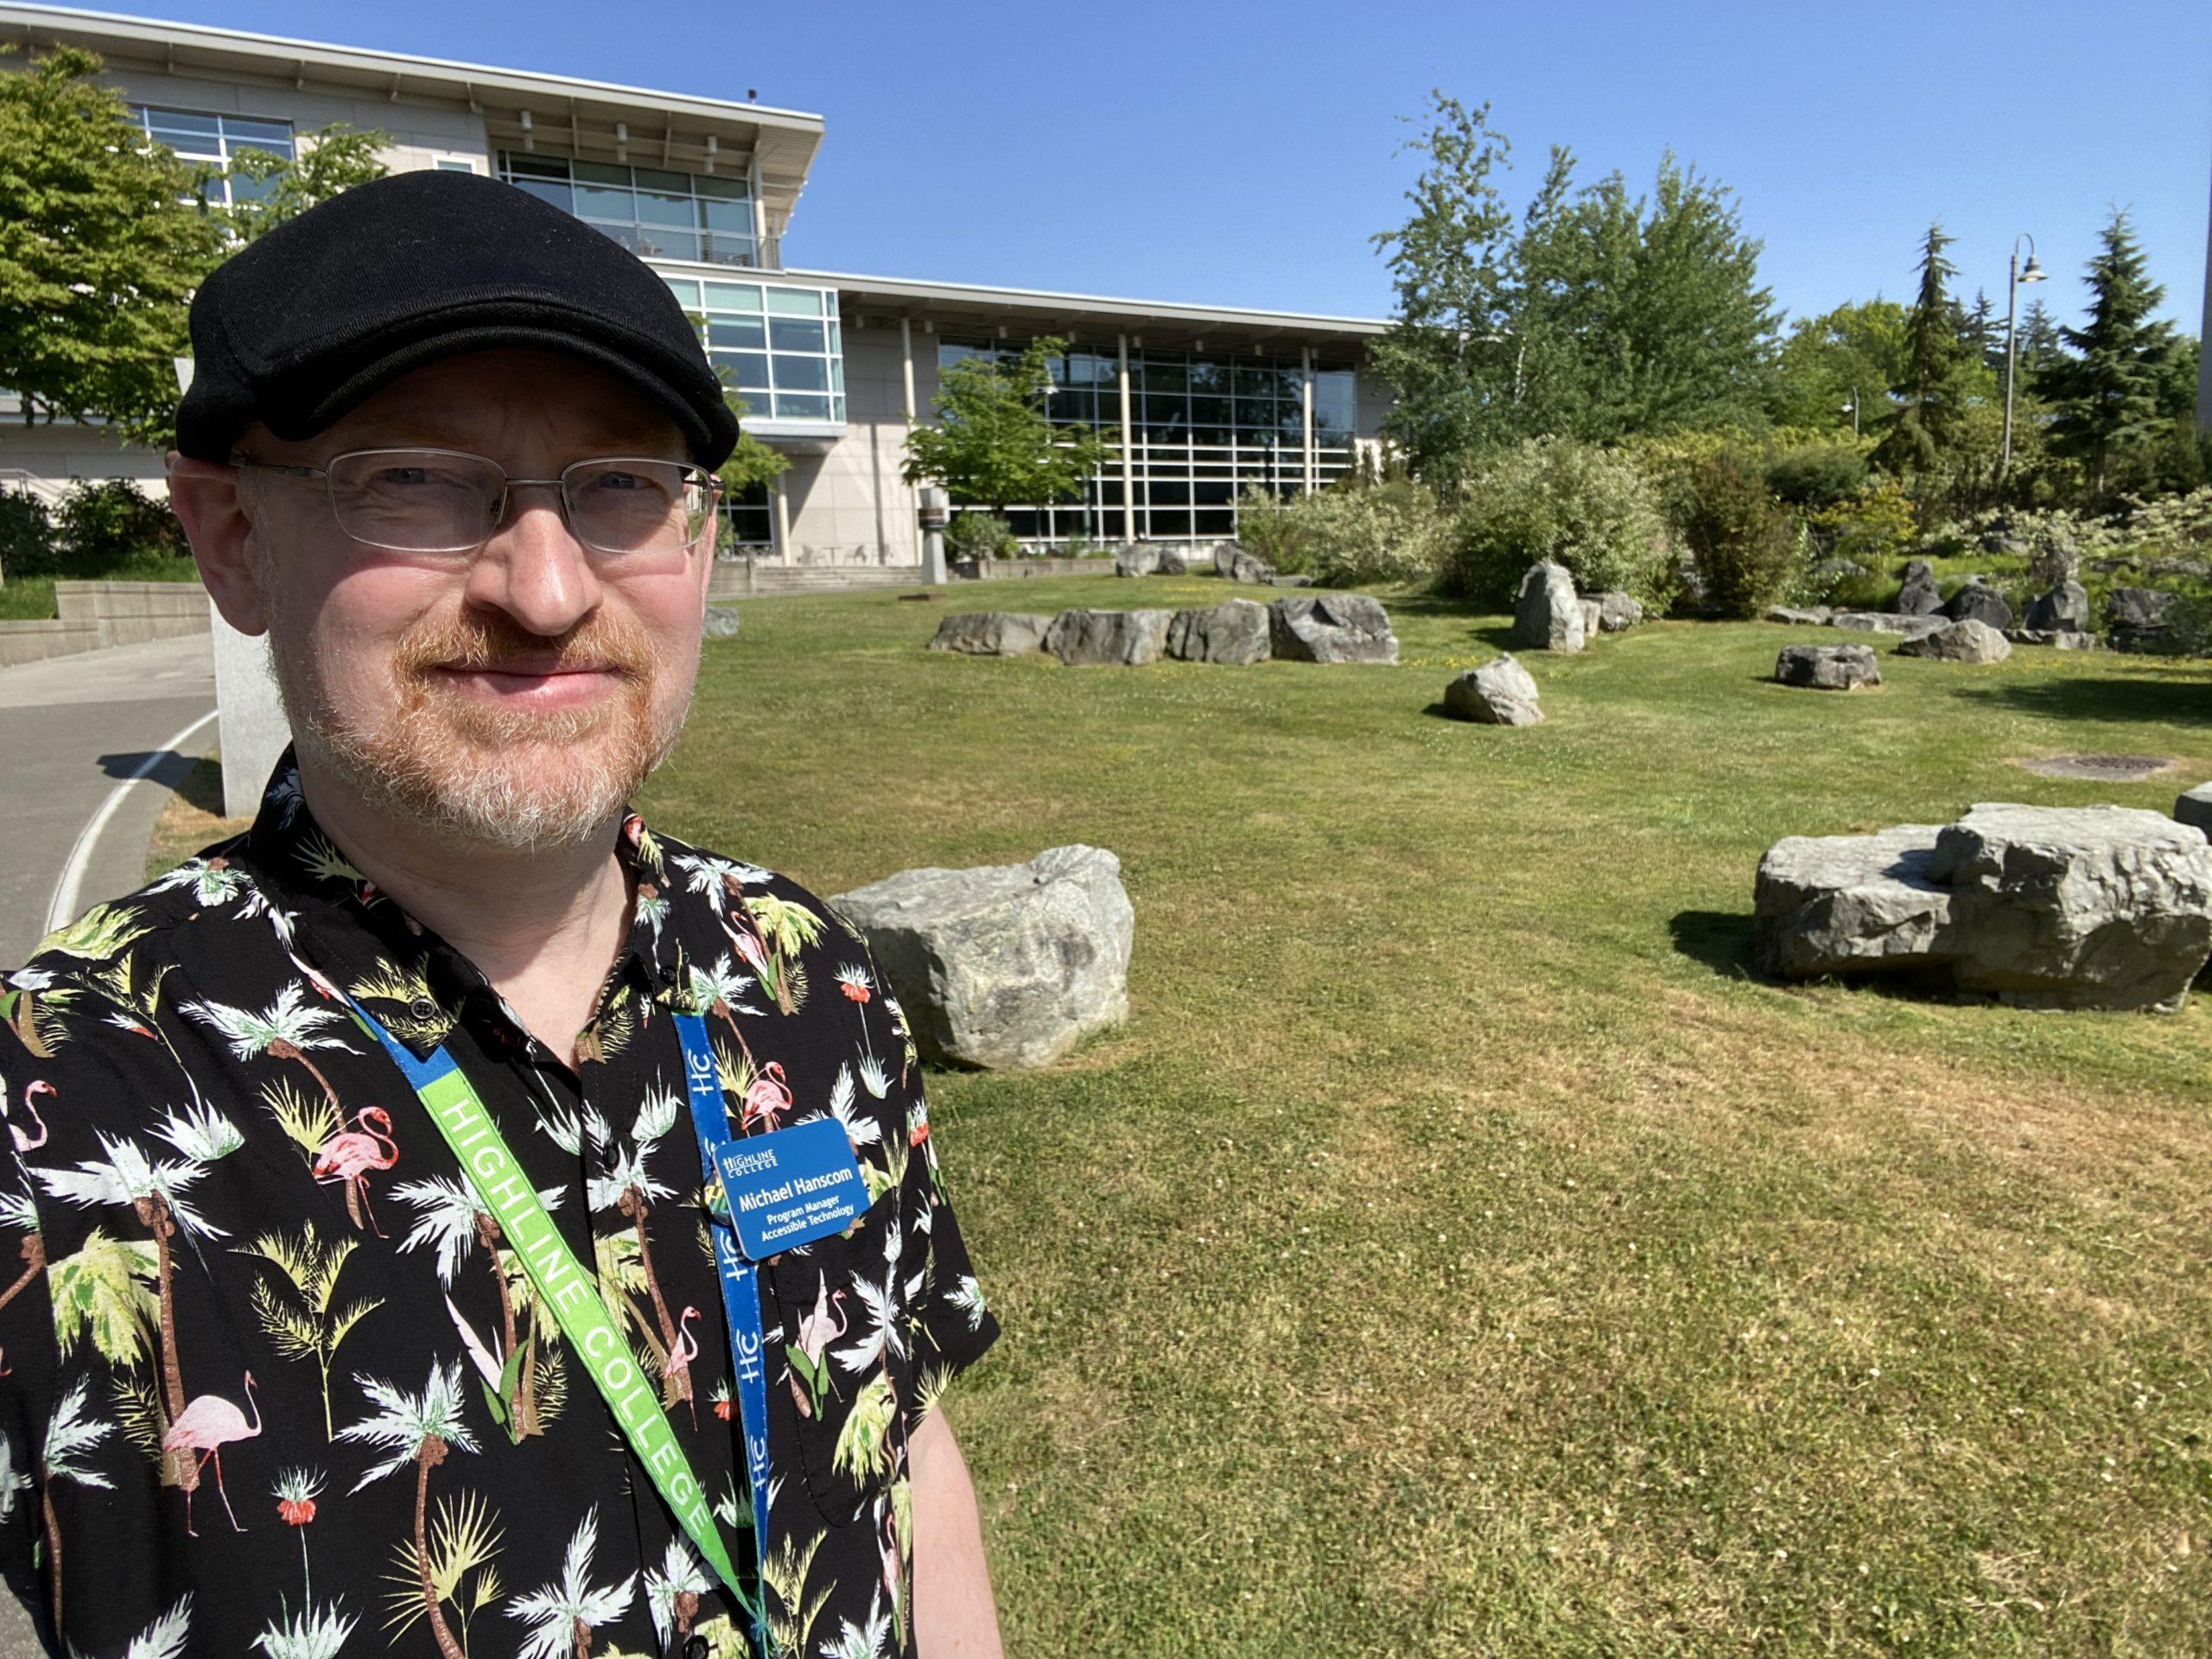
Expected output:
{"points": [[478, 399]]}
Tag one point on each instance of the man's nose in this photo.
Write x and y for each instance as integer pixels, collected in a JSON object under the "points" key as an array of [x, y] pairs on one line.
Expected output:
{"points": [[533, 568]]}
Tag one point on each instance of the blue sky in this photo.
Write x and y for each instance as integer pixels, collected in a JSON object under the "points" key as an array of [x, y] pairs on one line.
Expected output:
{"points": [[1243, 154]]}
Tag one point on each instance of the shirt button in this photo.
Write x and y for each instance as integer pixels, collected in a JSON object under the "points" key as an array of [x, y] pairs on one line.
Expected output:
{"points": [[695, 1648], [422, 1008]]}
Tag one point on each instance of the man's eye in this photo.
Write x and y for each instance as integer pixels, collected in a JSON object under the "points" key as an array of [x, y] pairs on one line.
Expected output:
{"points": [[393, 477], [621, 482]]}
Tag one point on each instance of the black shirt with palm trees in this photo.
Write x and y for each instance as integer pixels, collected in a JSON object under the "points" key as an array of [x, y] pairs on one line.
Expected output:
{"points": [[271, 1380]]}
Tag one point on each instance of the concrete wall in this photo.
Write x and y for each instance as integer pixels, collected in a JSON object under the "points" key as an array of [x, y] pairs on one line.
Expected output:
{"points": [[93, 614], [854, 496], [420, 133]]}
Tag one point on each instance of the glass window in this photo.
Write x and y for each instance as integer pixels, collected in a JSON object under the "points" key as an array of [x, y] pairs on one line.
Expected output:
{"points": [[686, 291], [795, 302], [535, 166], [802, 373], [654, 178], [197, 136], [733, 296], [604, 201], [546, 190], [650, 210], [654, 208], [738, 334], [795, 334], [802, 406]]}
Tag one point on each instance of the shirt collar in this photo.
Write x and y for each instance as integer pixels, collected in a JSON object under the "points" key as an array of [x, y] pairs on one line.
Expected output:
{"points": [[351, 938]]}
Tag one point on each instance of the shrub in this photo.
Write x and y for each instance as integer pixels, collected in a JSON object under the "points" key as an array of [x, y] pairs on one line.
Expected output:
{"points": [[25, 536], [101, 525], [1277, 531], [1554, 499], [1363, 532], [974, 535], [1820, 475], [1874, 528], [1744, 544]]}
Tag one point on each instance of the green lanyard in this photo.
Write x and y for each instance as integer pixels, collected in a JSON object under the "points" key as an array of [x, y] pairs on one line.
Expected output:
{"points": [[568, 1291]]}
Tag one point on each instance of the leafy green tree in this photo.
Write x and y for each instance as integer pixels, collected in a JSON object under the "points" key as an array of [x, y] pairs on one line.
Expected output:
{"points": [[751, 462], [267, 189], [2112, 395], [995, 446], [1449, 353], [1931, 393], [1854, 352], [100, 248]]}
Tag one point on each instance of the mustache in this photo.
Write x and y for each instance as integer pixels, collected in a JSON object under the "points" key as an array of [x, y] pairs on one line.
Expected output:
{"points": [[495, 641]]}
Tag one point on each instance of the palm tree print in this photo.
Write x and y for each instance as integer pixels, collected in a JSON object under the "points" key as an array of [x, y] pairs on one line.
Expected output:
{"points": [[69, 1434], [563, 1615], [312, 1633], [164, 1638], [465, 1539], [285, 1030], [155, 1192], [672, 1591], [108, 1290], [770, 933], [302, 1320], [421, 1429], [628, 1188], [449, 1214]]}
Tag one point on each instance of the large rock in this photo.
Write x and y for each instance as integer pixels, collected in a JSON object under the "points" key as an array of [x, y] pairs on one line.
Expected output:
{"points": [[1137, 559], [1617, 612], [1977, 601], [1225, 554], [991, 633], [2074, 907], [1252, 568], [1172, 561], [2064, 607], [2135, 619], [1325, 628], [1496, 693], [720, 622], [1827, 668], [1919, 596], [1546, 615], [2077, 906], [1916, 626], [1849, 904], [1281, 580], [1962, 642], [1129, 638], [1004, 966], [2057, 638], [1592, 614], [1806, 616], [1233, 632], [2195, 807]]}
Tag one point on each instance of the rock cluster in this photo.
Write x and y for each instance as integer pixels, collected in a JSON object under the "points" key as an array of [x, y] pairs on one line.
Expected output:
{"points": [[2067, 907], [1004, 966], [1326, 627]]}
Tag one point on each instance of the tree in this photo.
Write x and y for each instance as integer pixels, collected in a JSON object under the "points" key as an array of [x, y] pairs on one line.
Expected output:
{"points": [[563, 1614], [2039, 341], [1981, 333], [1931, 393], [328, 161], [1853, 353], [421, 1429], [996, 446], [100, 248], [2108, 398]]}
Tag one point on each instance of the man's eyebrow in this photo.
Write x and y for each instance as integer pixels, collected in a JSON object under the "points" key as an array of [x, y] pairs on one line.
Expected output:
{"points": [[408, 433]]}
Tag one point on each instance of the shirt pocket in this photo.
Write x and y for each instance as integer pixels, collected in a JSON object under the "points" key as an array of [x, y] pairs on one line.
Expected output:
{"points": [[845, 1371]]}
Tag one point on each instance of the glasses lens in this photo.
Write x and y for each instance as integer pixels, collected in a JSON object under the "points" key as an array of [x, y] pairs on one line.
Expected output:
{"points": [[416, 500], [636, 506]]}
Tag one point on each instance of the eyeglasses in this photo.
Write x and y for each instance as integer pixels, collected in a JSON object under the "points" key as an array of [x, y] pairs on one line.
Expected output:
{"points": [[633, 510]]}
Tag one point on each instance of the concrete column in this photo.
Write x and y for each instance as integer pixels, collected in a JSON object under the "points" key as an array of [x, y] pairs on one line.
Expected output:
{"points": [[760, 213], [783, 519], [1128, 456], [907, 351], [1305, 416]]}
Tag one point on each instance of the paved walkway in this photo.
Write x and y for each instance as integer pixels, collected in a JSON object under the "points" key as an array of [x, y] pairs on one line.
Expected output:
{"points": [[75, 727]]}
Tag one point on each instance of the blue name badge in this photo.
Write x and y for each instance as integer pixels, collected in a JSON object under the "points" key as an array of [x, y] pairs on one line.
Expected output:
{"points": [[790, 1188]]}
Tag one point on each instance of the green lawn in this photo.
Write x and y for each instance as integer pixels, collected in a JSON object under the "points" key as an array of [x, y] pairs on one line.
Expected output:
{"points": [[1457, 1252]]}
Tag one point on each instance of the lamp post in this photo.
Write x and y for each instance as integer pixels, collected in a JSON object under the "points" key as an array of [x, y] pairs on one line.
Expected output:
{"points": [[2031, 272], [1851, 410]]}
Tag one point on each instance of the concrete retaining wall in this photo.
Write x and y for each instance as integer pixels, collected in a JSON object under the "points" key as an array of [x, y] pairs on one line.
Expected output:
{"points": [[96, 614], [744, 579]]}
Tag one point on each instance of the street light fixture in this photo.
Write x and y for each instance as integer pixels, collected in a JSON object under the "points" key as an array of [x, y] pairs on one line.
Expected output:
{"points": [[1851, 410], [2031, 272]]}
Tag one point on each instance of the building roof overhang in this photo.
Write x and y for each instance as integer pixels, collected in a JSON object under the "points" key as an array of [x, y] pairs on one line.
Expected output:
{"points": [[959, 307], [568, 116]]}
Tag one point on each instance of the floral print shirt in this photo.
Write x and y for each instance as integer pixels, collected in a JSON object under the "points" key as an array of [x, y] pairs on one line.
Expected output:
{"points": [[271, 1382]]}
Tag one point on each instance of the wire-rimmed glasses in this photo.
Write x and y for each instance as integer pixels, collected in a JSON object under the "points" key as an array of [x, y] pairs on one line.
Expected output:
{"points": [[635, 513]]}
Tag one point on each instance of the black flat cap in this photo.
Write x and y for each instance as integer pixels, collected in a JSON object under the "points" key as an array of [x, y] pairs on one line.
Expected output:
{"points": [[306, 323]]}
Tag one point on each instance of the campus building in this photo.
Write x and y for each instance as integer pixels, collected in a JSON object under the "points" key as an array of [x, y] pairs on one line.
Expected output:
{"points": [[1201, 400]]}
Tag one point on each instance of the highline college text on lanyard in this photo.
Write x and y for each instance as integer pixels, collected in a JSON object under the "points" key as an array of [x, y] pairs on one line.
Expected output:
{"points": [[573, 1296]]}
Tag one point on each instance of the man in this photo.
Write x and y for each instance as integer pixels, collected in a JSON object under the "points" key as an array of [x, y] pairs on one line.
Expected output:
{"points": [[323, 1143]]}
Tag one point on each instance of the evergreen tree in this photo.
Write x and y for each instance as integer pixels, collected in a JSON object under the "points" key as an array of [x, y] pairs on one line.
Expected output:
{"points": [[1931, 396], [2040, 345], [1981, 333], [2108, 399]]}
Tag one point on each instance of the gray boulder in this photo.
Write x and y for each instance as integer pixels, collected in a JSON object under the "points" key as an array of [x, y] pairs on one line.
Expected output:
{"points": [[1617, 612], [1546, 615], [1808, 616], [1962, 642], [1496, 693], [1250, 568], [1915, 626], [1919, 596], [1829, 572], [2065, 606], [1592, 611], [1137, 559], [2057, 638], [721, 622], [991, 633], [2135, 619], [1849, 904], [1130, 639], [1233, 632], [2073, 908], [1278, 580], [1225, 554], [1003, 967], [2195, 807], [1977, 601], [1827, 668], [1327, 627], [1172, 561]]}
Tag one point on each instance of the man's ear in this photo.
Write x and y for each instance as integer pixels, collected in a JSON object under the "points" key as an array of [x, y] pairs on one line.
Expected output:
{"points": [[208, 499]]}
